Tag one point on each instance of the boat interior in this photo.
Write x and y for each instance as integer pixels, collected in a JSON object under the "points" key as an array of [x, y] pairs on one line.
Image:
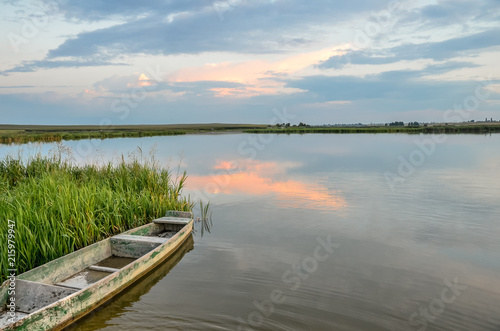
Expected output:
{"points": [[55, 280]]}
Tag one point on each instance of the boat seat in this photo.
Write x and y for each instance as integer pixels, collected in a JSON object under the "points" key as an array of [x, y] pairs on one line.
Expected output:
{"points": [[137, 239], [127, 245], [172, 220]]}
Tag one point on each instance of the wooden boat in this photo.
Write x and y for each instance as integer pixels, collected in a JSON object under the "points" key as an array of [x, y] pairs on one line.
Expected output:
{"points": [[119, 304], [54, 295]]}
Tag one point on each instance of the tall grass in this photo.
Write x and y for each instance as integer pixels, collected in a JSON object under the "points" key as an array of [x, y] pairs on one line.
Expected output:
{"points": [[24, 137], [59, 207]]}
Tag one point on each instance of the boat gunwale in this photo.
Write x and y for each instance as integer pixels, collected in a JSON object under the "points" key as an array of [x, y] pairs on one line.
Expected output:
{"points": [[80, 251]]}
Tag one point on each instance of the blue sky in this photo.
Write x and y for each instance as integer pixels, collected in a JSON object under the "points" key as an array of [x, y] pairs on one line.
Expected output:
{"points": [[194, 61]]}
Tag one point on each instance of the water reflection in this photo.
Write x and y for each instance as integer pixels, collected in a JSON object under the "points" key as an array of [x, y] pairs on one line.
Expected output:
{"points": [[118, 306], [205, 219], [397, 247], [258, 179]]}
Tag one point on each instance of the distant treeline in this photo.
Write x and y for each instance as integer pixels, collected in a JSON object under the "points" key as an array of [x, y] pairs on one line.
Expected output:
{"points": [[24, 136], [476, 129]]}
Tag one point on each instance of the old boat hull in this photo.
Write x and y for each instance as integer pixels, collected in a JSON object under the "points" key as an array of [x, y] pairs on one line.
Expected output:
{"points": [[137, 243]]}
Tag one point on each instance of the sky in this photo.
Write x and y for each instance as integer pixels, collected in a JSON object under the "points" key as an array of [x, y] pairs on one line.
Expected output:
{"points": [[239, 61]]}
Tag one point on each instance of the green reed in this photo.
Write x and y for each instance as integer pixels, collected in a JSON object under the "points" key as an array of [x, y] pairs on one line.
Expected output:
{"points": [[205, 217], [59, 207], [24, 137]]}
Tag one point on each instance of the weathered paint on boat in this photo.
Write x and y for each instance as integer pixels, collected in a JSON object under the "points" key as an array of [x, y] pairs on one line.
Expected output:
{"points": [[117, 305], [65, 311]]}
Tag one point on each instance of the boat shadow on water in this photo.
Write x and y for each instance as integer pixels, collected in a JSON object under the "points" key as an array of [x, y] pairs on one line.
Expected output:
{"points": [[118, 305]]}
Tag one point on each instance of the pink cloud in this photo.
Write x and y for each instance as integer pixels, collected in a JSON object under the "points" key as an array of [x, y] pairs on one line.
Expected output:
{"points": [[258, 76]]}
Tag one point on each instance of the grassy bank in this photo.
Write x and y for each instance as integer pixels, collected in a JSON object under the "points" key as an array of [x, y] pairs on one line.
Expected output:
{"points": [[15, 136], [437, 129], [48, 133], [58, 207]]}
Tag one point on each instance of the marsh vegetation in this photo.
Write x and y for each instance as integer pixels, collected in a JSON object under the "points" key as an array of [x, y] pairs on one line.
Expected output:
{"points": [[49, 133], [59, 207]]}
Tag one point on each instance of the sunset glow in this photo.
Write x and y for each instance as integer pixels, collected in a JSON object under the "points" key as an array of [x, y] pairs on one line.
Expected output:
{"points": [[231, 61], [257, 179], [259, 76]]}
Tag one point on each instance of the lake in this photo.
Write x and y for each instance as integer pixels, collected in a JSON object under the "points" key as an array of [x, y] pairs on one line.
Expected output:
{"points": [[320, 232]]}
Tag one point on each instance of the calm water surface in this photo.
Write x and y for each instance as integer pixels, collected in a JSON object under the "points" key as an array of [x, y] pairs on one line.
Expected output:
{"points": [[321, 232]]}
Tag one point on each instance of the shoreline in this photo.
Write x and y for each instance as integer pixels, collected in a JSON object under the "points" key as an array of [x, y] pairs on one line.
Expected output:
{"points": [[52, 133]]}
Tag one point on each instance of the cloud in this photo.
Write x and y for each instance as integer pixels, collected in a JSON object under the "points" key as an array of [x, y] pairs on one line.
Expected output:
{"points": [[441, 68], [239, 26], [438, 51], [132, 84], [458, 12], [408, 88], [101, 9], [18, 86], [32, 66], [256, 77], [255, 27], [246, 57], [434, 11]]}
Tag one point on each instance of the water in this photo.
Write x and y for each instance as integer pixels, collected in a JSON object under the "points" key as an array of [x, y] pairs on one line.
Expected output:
{"points": [[311, 232]]}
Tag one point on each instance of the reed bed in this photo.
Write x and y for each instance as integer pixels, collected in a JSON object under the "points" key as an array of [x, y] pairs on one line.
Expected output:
{"points": [[59, 207], [24, 137]]}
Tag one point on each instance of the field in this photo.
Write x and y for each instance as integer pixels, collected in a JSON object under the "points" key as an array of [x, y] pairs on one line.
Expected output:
{"points": [[56, 208]]}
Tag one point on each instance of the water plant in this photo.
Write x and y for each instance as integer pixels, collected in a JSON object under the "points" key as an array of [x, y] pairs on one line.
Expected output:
{"points": [[205, 217]]}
